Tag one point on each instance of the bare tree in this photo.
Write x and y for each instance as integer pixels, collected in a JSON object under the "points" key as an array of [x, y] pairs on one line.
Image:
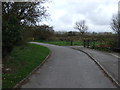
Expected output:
{"points": [[81, 26], [115, 25]]}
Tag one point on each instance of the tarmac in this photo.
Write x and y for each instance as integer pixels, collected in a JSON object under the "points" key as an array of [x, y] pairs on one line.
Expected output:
{"points": [[108, 62], [68, 68]]}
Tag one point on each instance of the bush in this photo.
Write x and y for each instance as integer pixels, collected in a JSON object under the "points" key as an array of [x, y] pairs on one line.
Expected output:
{"points": [[11, 35]]}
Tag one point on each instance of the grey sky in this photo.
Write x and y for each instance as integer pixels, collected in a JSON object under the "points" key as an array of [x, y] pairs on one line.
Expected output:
{"points": [[97, 13]]}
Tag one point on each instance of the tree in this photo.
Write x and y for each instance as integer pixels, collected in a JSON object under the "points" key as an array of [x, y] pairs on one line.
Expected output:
{"points": [[115, 25], [43, 32], [25, 12], [81, 26], [14, 16]]}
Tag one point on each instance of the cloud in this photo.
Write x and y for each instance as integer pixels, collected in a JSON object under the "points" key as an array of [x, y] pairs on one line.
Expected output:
{"points": [[97, 13]]}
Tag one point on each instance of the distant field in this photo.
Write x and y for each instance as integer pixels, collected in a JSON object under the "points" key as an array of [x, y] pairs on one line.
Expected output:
{"points": [[21, 62], [63, 43], [98, 45], [68, 43]]}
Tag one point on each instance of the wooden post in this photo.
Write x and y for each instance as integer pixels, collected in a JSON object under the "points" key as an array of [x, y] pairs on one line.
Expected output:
{"points": [[88, 43], [71, 42], [84, 42]]}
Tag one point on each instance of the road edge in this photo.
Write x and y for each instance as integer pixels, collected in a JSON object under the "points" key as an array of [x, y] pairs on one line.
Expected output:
{"points": [[102, 68], [18, 85]]}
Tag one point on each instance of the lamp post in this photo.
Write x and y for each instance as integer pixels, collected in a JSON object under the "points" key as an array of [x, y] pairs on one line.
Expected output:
{"points": [[118, 38], [119, 41]]}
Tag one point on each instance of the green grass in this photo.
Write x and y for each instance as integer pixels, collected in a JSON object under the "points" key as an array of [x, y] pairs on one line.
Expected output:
{"points": [[21, 62], [63, 43], [68, 43], [77, 43]]}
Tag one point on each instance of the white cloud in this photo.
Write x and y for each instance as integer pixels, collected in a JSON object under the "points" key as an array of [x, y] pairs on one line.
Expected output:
{"points": [[97, 13]]}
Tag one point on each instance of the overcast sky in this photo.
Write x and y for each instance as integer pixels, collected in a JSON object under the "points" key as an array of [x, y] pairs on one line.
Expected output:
{"points": [[97, 13]]}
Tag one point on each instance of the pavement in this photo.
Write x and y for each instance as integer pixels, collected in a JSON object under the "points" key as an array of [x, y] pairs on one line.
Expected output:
{"points": [[68, 68], [109, 61]]}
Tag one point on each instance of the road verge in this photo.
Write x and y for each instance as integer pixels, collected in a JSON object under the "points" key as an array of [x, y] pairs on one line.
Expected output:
{"points": [[27, 77]]}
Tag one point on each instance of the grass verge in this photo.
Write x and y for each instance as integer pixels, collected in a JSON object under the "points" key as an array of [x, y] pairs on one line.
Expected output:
{"points": [[21, 62]]}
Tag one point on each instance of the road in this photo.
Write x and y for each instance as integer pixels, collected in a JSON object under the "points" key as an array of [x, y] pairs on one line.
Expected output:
{"points": [[68, 68], [109, 61]]}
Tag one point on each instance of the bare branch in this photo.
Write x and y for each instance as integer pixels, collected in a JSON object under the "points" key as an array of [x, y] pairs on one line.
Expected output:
{"points": [[81, 26], [115, 25]]}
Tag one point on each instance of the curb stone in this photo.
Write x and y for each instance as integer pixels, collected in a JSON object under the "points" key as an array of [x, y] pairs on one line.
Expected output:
{"points": [[34, 70], [101, 67]]}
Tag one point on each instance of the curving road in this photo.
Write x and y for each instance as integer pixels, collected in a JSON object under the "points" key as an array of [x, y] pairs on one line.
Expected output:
{"points": [[68, 68]]}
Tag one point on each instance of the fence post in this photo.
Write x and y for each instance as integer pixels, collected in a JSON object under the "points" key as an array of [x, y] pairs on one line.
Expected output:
{"points": [[71, 42], [88, 43], [84, 43]]}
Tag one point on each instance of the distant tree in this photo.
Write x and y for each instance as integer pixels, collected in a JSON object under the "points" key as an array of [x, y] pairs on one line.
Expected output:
{"points": [[43, 32], [70, 33], [81, 26]]}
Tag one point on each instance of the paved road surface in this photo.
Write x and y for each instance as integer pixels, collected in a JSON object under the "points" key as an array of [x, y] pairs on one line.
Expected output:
{"points": [[68, 68], [108, 60]]}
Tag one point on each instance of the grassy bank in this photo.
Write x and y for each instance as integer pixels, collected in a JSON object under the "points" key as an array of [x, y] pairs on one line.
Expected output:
{"points": [[21, 62]]}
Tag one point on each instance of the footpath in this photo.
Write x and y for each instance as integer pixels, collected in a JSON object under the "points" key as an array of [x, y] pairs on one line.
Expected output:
{"points": [[108, 62]]}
